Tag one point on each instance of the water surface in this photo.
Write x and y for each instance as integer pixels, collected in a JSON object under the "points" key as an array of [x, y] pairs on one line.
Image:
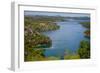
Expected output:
{"points": [[68, 37]]}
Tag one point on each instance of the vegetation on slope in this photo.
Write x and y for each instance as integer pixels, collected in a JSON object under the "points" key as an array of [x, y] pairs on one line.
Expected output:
{"points": [[34, 40], [86, 25], [84, 49]]}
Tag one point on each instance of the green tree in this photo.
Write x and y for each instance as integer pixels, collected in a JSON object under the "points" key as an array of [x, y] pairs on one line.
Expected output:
{"points": [[84, 50]]}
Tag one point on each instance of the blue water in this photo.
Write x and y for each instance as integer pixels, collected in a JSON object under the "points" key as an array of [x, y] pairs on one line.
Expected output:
{"points": [[68, 37]]}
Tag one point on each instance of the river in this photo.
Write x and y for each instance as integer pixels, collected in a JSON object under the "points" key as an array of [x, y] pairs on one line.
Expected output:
{"points": [[68, 37]]}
